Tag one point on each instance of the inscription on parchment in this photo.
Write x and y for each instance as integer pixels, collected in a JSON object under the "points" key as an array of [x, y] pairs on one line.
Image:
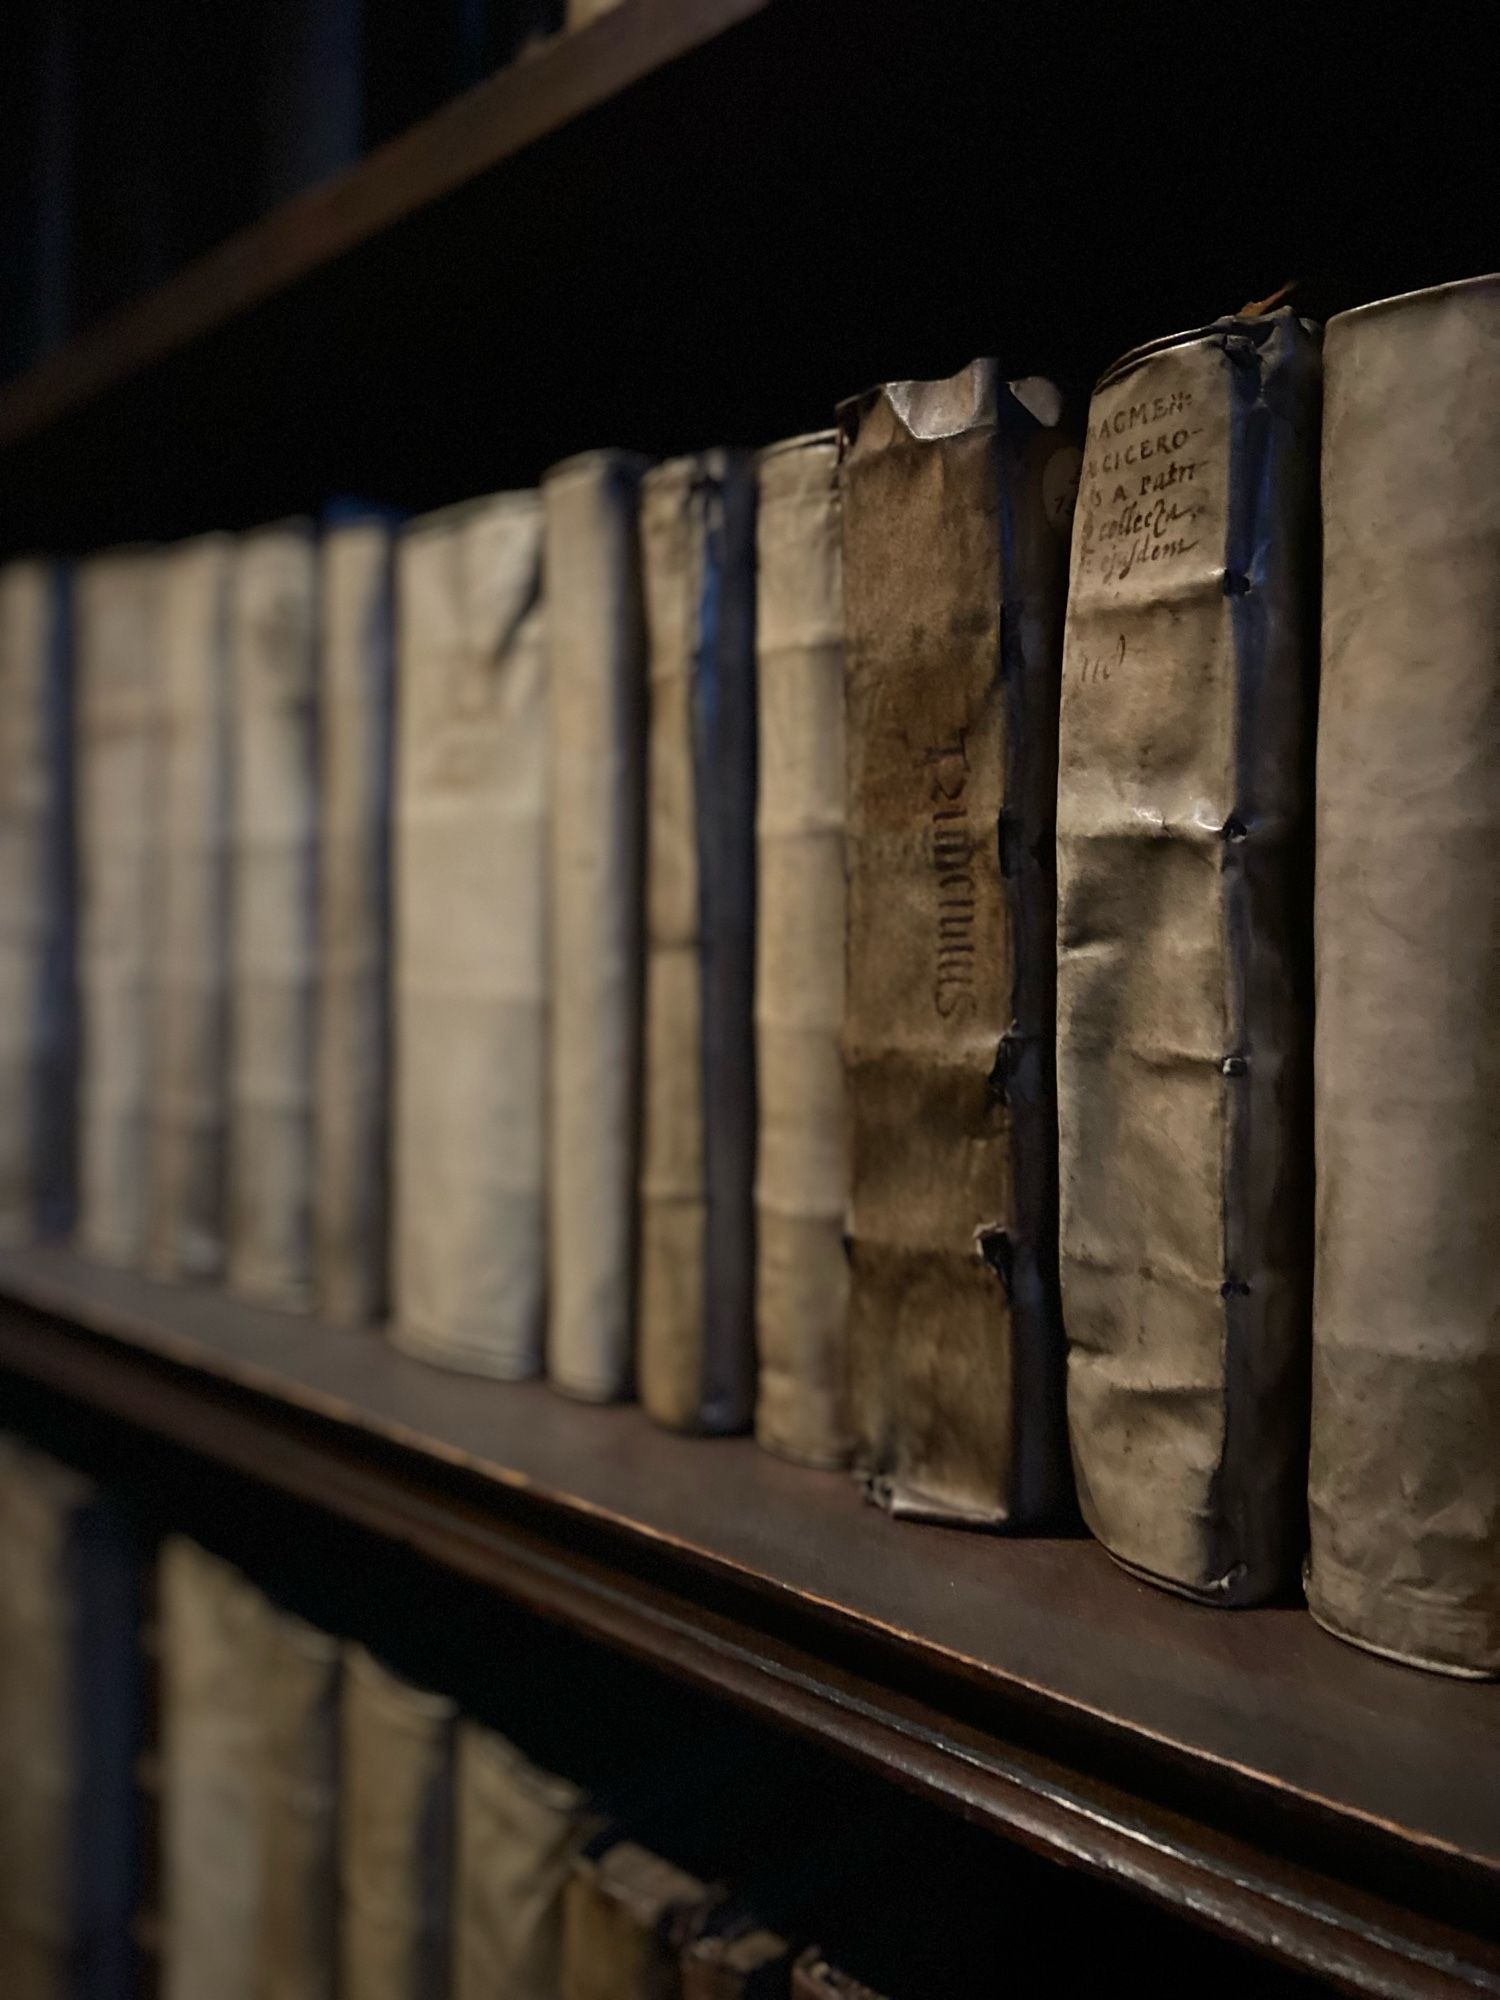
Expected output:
{"points": [[1139, 503]]}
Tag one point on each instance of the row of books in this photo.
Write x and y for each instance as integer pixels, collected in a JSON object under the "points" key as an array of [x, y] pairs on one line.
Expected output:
{"points": [[204, 1794], [854, 944]]}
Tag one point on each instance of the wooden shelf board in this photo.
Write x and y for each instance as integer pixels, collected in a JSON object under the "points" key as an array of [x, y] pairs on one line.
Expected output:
{"points": [[783, 1589], [541, 92]]}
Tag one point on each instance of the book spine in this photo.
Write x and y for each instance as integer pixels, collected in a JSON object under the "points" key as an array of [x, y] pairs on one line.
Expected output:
{"points": [[36, 975], [627, 1912], [1405, 1475], [212, 1624], [802, 1167], [274, 936], [299, 1692], [815, 1978], [471, 953], [596, 642], [519, 1831], [1182, 991], [697, 1334], [956, 499], [395, 1852], [190, 979], [115, 721], [353, 1024]]}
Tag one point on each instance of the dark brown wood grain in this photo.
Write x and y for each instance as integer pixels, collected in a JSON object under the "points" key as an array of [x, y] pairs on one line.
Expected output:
{"points": [[1332, 1810], [540, 92]]}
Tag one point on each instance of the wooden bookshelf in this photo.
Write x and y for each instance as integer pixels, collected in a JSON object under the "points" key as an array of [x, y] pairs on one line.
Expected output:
{"points": [[706, 221], [1332, 1810]]}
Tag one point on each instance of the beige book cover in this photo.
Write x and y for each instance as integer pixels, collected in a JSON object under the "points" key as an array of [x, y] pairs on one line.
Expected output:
{"points": [[802, 1153], [212, 1625], [299, 1689], [353, 1025], [396, 1836], [190, 958], [957, 497], [697, 1277], [626, 1916], [1405, 1479], [597, 723], [273, 953], [519, 1830], [37, 1000], [117, 647], [470, 938], [1184, 896]]}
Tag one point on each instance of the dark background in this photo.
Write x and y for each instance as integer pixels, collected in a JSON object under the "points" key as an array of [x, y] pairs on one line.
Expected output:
{"points": [[831, 193]]}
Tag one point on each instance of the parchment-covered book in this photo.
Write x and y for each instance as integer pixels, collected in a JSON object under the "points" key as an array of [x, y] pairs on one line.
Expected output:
{"points": [[190, 971], [519, 1831], [470, 963], [956, 503], [274, 856], [38, 1002], [212, 1623], [1405, 1477], [1184, 1031], [597, 737], [300, 1683], [396, 1836], [117, 663], [802, 1162], [70, 1700], [745, 1961], [697, 1333], [353, 1025], [628, 1913]]}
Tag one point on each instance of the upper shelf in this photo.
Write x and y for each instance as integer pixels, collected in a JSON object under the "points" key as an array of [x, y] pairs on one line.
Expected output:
{"points": [[1289, 1791], [541, 92]]}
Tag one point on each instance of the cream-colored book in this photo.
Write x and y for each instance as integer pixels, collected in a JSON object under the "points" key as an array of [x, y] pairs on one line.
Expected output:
{"points": [[802, 1159], [1405, 1478], [597, 717], [300, 1682], [696, 1356], [190, 972], [117, 664], [212, 1623], [353, 1036], [470, 938], [273, 954], [519, 1830], [396, 1836], [37, 1008], [1184, 878]]}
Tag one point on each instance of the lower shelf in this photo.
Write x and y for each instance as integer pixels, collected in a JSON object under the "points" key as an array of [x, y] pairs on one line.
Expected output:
{"points": [[1335, 1811]]}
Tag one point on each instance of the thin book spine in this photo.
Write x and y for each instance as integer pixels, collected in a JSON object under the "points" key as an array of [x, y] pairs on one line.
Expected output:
{"points": [[802, 1155], [353, 1026], [190, 987], [273, 664], [697, 1358], [596, 737]]}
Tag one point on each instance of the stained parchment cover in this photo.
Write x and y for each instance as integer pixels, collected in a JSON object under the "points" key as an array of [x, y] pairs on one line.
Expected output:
{"points": [[1405, 1477], [956, 502], [1183, 1007]]}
